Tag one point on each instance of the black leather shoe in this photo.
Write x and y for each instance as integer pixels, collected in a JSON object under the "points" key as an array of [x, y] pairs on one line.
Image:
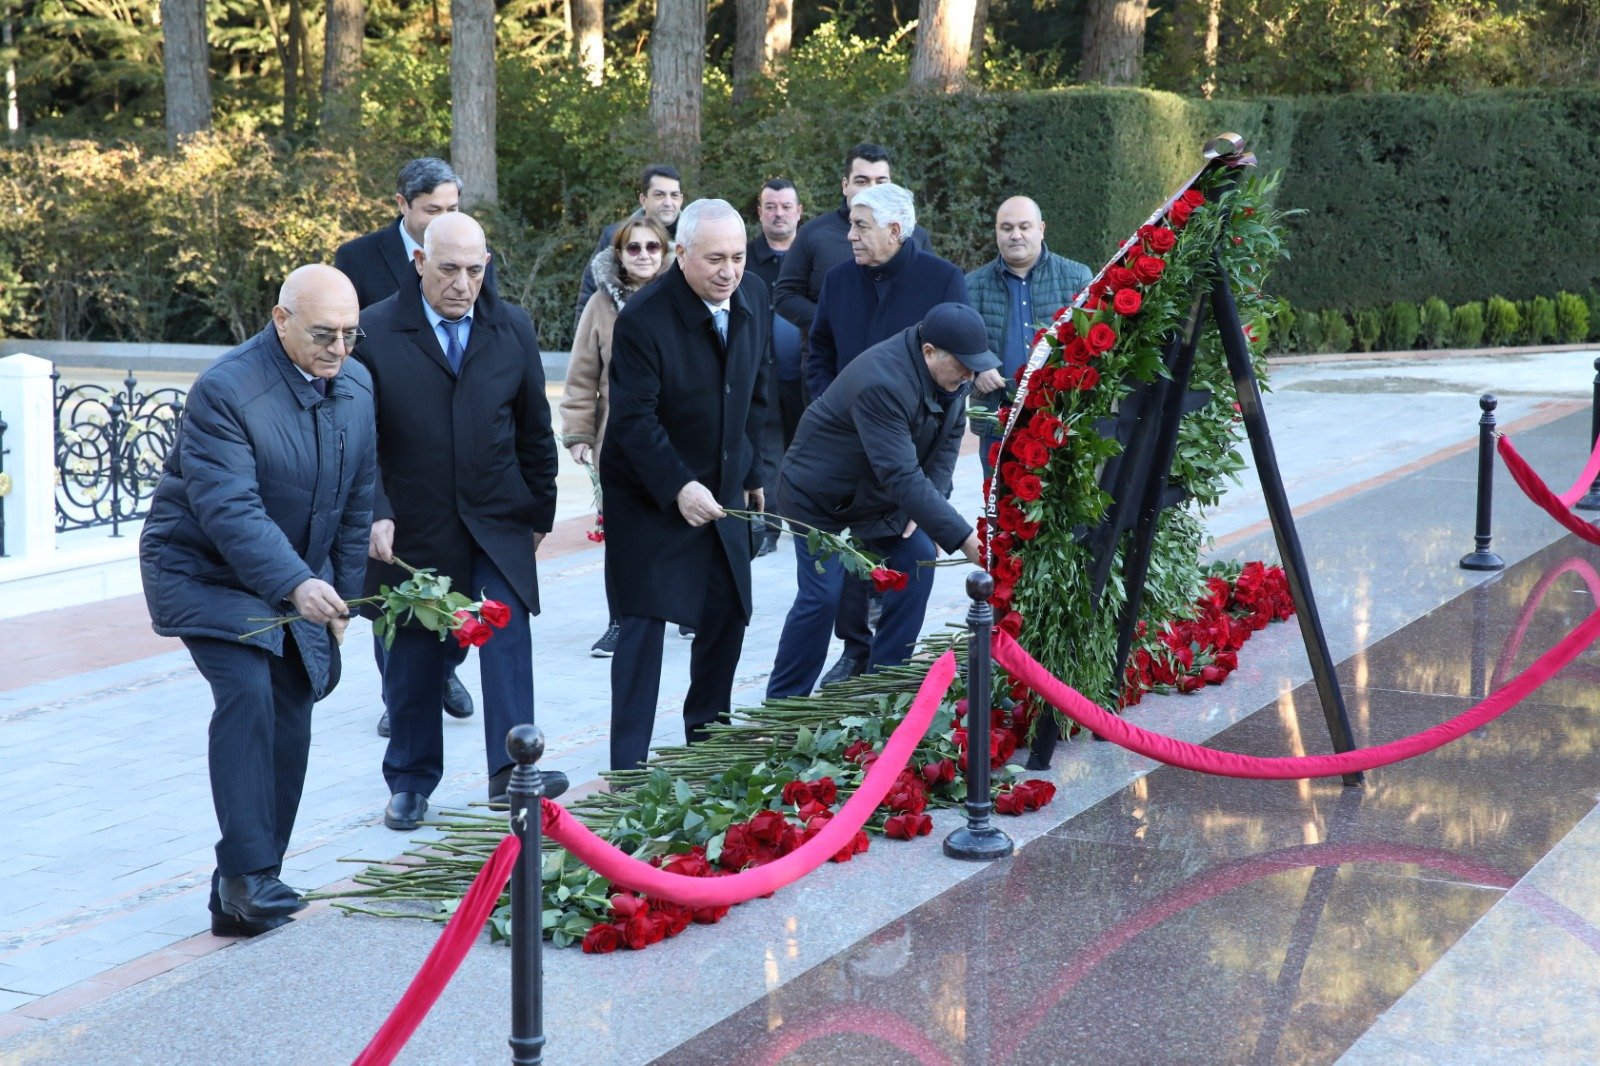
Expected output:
{"points": [[555, 784], [383, 724], [768, 546], [842, 670], [226, 925], [257, 897], [405, 810], [457, 700]]}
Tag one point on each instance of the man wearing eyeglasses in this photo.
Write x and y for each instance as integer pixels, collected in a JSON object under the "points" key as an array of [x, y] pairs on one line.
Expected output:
{"points": [[467, 486], [660, 198], [377, 264], [263, 510]]}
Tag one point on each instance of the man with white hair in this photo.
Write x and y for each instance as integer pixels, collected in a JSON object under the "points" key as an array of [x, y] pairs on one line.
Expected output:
{"points": [[888, 287], [683, 442], [467, 486]]}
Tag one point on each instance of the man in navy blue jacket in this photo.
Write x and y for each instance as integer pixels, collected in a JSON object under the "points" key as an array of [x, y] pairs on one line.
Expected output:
{"points": [[263, 510], [889, 285]]}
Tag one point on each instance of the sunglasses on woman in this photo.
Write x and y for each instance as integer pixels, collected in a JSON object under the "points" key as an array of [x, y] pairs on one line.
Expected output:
{"points": [[634, 247]]}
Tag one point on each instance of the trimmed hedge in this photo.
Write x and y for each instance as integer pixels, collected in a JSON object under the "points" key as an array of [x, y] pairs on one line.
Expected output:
{"points": [[1415, 195]]}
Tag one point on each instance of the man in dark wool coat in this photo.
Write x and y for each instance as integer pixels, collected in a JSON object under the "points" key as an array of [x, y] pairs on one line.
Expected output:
{"points": [[688, 401], [263, 510], [467, 486]]}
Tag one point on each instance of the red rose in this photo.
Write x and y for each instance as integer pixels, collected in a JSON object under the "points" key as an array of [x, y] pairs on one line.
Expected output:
{"points": [[601, 939], [856, 750], [1189, 683], [1011, 624], [1193, 197], [1178, 214], [1038, 397], [471, 633], [1147, 268], [710, 915], [1121, 278], [887, 580], [1033, 453], [1162, 239], [797, 793], [1065, 330], [639, 932], [1008, 803], [994, 453], [1127, 302], [896, 829], [767, 827], [1213, 674], [1102, 337], [495, 613], [596, 536], [1028, 487], [824, 791], [1078, 351], [811, 810], [625, 906]]}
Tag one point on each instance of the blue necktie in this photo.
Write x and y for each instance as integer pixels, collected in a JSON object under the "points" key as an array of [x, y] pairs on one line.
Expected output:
{"points": [[720, 317], [453, 352]]}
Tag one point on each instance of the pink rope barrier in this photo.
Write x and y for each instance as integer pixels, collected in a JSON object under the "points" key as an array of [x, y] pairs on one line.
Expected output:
{"points": [[1580, 488], [628, 872], [1536, 490], [1009, 654], [445, 958]]}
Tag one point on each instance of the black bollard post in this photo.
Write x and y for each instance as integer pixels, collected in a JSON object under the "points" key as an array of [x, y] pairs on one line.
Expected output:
{"points": [[1591, 499], [978, 840], [525, 743], [1481, 558]]}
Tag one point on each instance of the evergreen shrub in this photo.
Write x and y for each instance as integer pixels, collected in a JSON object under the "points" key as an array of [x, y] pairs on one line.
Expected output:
{"points": [[1336, 332], [1435, 323], [1308, 332], [1368, 329], [1400, 326], [1466, 325], [1540, 327], [1502, 322], [1572, 318]]}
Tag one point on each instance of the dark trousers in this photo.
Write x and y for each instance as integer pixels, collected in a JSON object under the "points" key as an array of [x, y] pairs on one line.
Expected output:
{"points": [[413, 688], [803, 647], [850, 618], [785, 405], [259, 742], [713, 660]]}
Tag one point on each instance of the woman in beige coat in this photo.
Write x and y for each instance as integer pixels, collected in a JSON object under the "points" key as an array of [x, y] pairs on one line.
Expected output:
{"points": [[638, 254]]}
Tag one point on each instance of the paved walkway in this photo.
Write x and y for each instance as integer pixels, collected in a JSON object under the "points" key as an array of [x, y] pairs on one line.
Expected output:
{"points": [[102, 725]]}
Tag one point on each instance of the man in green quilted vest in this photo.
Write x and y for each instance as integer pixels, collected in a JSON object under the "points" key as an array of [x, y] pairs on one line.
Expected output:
{"points": [[1018, 292]]}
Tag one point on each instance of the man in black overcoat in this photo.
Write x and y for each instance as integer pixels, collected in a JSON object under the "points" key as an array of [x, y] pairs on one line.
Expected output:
{"points": [[377, 264], [263, 510], [688, 400], [467, 486]]}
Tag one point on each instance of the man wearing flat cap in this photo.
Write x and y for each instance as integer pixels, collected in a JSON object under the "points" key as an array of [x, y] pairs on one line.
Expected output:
{"points": [[875, 454]]}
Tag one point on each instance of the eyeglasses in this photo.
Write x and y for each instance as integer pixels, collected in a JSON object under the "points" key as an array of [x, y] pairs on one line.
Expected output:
{"points": [[634, 247], [325, 338]]}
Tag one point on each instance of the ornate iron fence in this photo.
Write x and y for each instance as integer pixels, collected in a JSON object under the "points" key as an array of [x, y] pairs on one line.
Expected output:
{"points": [[110, 448]]}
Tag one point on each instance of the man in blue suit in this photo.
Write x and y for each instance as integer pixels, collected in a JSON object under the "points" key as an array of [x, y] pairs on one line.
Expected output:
{"points": [[264, 509]]}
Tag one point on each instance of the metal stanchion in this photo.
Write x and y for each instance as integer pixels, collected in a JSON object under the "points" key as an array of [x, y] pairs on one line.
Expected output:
{"points": [[978, 840], [1591, 499], [525, 744], [1481, 558]]}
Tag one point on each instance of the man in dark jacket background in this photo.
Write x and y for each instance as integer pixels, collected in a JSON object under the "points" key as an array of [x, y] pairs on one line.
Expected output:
{"points": [[1019, 291], [779, 210], [263, 509], [889, 285], [823, 243], [876, 454], [467, 464], [688, 400]]}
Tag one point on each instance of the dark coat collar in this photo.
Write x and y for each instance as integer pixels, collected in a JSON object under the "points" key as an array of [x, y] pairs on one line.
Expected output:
{"points": [[487, 313], [762, 252], [691, 308], [897, 265]]}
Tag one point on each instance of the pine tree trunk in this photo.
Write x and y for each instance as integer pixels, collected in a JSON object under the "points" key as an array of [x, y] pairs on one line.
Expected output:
{"points": [[291, 66], [780, 30], [749, 48], [677, 78], [472, 110], [588, 19], [1113, 41], [944, 41], [1213, 46], [980, 29], [341, 66], [186, 58], [13, 115]]}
